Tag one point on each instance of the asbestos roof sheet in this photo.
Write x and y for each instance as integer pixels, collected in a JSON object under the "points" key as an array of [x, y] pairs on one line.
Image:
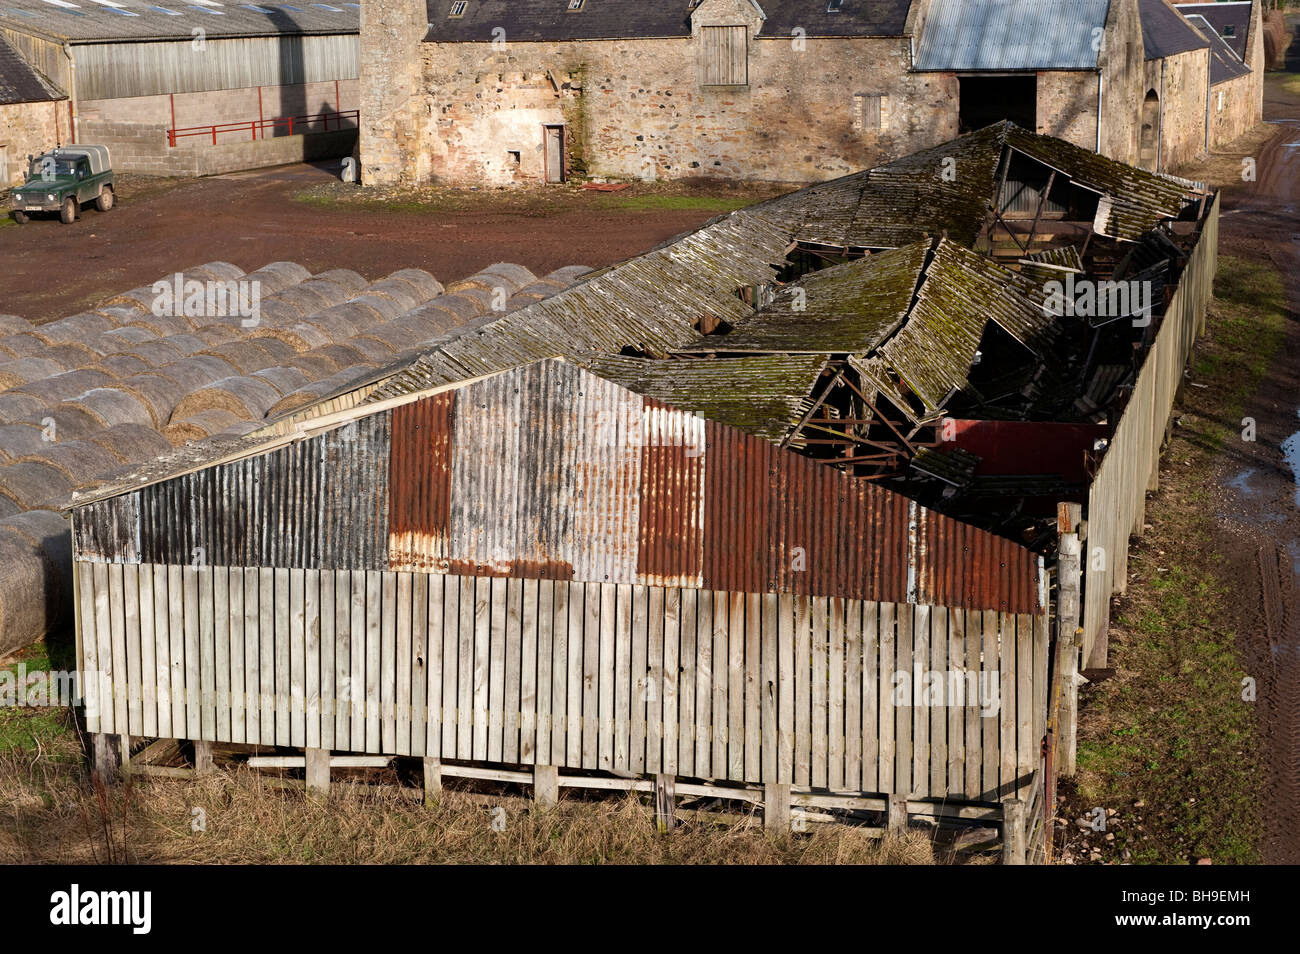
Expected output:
{"points": [[1224, 19], [97, 20], [543, 20], [20, 82], [1225, 64], [1011, 35], [1165, 32], [764, 395]]}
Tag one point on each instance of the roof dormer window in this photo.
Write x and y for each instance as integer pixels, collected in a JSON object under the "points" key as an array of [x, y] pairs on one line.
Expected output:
{"points": [[458, 9]]}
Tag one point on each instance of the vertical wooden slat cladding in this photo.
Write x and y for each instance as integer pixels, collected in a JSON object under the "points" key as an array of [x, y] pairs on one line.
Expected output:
{"points": [[420, 478]]}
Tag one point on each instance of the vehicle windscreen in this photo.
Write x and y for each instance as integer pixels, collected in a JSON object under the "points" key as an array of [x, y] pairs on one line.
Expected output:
{"points": [[48, 167]]}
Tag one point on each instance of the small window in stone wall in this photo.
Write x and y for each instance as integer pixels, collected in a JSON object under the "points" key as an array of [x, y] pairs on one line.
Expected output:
{"points": [[868, 112], [725, 54]]}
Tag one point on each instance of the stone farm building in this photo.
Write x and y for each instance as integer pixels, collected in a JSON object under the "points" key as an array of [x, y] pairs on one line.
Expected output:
{"points": [[497, 92], [31, 111]]}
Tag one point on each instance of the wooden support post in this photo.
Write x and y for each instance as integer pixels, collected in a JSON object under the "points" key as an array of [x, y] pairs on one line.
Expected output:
{"points": [[1013, 832], [1068, 611], [546, 785], [776, 807], [202, 757], [897, 814], [665, 802], [104, 758], [318, 772], [432, 781], [124, 754]]}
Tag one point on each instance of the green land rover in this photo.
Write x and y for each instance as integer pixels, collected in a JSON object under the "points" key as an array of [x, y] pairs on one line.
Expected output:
{"points": [[64, 179]]}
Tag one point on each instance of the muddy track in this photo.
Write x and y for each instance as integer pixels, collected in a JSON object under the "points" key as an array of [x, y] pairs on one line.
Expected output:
{"points": [[1280, 698]]}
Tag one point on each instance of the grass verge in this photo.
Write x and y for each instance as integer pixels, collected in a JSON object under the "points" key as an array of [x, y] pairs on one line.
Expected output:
{"points": [[1167, 746]]}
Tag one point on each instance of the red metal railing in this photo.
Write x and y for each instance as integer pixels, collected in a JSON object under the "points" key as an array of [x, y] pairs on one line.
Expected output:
{"points": [[256, 128]]}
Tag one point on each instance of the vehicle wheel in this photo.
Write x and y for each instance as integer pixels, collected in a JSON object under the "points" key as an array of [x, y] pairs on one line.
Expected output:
{"points": [[22, 218], [104, 201], [68, 211]]}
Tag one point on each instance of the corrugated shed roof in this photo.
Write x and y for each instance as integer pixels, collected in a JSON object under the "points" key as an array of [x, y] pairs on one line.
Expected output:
{"points": [[1011, 35], [1225, 64], [20, 82], [1165, 32], [1225, 17], [541, 20], [96, 20]]}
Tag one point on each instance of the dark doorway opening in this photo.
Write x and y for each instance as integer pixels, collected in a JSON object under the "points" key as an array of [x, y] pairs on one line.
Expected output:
{"points": [[990, 99]]}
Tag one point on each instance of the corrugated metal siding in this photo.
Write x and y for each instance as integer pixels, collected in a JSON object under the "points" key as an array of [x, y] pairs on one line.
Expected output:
{"points": [[1011, 35], [113, 70], [420, 478]]}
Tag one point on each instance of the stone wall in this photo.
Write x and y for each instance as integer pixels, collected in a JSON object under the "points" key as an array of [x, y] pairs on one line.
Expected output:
{"points": [[394, 111], [1122, 63], [1232, 110], [1183, 83], [28, 129], [1067, 106]]}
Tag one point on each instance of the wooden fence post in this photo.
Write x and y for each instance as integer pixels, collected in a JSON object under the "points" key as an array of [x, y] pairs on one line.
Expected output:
{"points": [[318, 771], [546, 785], [432, 781], [665, 802], [1068, 609], [776, 807], [1013, 832], [202, 757], [897, 814], [105, 758]]}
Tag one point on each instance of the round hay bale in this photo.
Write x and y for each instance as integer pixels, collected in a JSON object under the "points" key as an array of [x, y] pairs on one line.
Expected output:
{"points": [[215, 272], [482, 301], [16, 406], [244, 355], [68, 423], [78, 328], [139, 300], [275, 277], [82, 461], [6, 354], [513, 277], [276, 313], [132, 443], [346, 320], [436, 317], [36, 589], [20, 371], [312, 296], [277, 351], [120, 313], [163, 325], [131, 335], [344, 355], [14, 325], [373, 350], [313, 364], [398, 293], [8, 509], [385, 308], [546, 287], [219, 334], [169, 350], [299, 339], [32, 484], [199, 426], [345, 278], [396, 336], [523, 300], [113, 406], [245, 398], [199, 370], [121, 365], [26, 344], [284, 379], [569, 274], [37, 526], [320, 390], [74, 355], [157, 392], [19, 440], [425, 285], [462, 307], [68, 385]]}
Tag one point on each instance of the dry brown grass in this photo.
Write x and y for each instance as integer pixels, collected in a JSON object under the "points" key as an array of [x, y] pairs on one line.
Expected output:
{"points": [[49, 813]]}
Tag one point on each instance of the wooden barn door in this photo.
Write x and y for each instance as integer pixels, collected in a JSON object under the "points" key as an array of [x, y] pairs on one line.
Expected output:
{"points": [[554, 153]]}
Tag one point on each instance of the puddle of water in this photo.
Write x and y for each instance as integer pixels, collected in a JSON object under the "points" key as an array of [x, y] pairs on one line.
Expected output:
{"points": [[1291, 451], [1241, 483]]}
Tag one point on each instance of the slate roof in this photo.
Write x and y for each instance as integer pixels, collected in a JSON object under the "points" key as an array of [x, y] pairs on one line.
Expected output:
{"points": [[1164, 31], [20, 83], [541, 20], [1225, 64], [1011, 35], [1221, 17], [96, 20]]}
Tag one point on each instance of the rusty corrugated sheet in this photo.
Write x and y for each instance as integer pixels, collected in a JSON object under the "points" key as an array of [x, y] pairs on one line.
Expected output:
{"points": [[670, 549], [419, 511]]}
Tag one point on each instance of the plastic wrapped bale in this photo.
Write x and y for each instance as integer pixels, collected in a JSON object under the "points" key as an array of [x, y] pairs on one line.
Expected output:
{"points": [[425, 285], [385, 308], [462, 306], [16, 406], [78, 328], [276, 351], [133, 443], [219, 333], [73, 356], [6, 355], [300, 339], [345, 278], [199, 370], [20, 371], [19, 440], [344, 355], [245, 398], [284, 379], [276, 313], [313, 364], [25, 345], [199, 427], [435, 318], [157, 392], [399, 336], [119, 313], [214, 272], [68, 385], [122, 365], [275, 277], [512, 277], [113, 406], [375, 351], [569, 274], [312, 296], [83, 462], [14, 325], [7, 507], [129, 335], [163, 325], [169, 349], [36, 587], [400, 294], [344, 321], [33, 484], [244, 355]]}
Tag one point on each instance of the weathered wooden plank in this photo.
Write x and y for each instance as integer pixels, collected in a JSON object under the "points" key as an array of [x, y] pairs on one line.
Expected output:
{"points": [[836, 704], [721, 680], [266, 675], [357, 663], [88, 659], [252, 668], [769, 686], [1006, 624], [591, 621], [1026, 749], [785, 688], [298, 657], [388, 662], [329, 640], [653, 682], [163, 649], [753, 718], [482, 661], [221, 653], [819, 726], [736, 686], [992, 735], [803, 678], [576, 678], [1042, 647], [608, 613], [703, 734], [311, 657], [939, 713], [920, 701], [497, 638], [193, 688], [280, 666], [176, 648], [131, 641], [535, 674], [872, 718], [666, 713], [374, 625], [623, 677], [404, 624], [511, 701], [104, 648], [560, 673], [420, 661], [456, 635], [973, 620], [853, 695], [148, 652], [433, 663], [685, 721], [235, 599], [956, 779], [903, 782]]}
